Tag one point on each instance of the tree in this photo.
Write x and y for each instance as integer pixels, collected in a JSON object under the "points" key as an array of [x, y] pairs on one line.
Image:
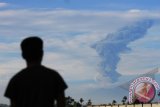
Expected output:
{"points": [[158, 95], [69, 101], [81, 100], [109, 104], [114, 102], [89, 102], [123, 102], [124, 99], [78, 104]]}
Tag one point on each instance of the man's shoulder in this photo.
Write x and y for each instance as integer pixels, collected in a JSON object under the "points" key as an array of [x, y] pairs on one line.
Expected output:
{"points": [[37, 71], [44, 71], [18, 74], [49, 70]]}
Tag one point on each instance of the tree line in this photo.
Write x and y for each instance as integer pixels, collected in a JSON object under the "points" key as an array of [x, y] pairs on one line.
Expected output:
{"points": [[70, 102]]}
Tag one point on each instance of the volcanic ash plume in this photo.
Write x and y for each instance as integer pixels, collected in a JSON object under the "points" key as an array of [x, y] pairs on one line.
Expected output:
{"points": [[115, 43]]}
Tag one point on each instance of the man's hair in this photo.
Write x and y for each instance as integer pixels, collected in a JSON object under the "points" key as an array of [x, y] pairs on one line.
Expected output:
{"points": [[32, 49]]}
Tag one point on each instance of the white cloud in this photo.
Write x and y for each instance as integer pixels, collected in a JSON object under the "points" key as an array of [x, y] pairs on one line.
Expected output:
{"points": [[3, 4], [51, 21], [9, 47], [56, 25], [11, 66], [73, 69], [134, 10], [68, 37]]}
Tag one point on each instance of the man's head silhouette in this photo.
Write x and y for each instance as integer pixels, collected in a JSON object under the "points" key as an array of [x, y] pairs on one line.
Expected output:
{"points": [[32, 49], [35, 85]]}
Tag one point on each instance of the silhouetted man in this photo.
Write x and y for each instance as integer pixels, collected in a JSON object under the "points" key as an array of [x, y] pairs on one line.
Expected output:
{"points": [[35, 85]]}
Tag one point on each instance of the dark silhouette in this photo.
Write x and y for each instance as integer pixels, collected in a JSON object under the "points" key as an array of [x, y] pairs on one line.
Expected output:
{"points": [[35, 85], [89, 102], [114, 102], [124, 99], [81, 101], [136, 101]]}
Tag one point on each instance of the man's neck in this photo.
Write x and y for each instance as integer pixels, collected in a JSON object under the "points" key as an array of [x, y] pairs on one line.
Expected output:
{"points": [[31, 64]]}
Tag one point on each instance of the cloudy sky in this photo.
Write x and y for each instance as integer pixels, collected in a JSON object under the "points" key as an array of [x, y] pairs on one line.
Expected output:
{"points": [[96, 45]]}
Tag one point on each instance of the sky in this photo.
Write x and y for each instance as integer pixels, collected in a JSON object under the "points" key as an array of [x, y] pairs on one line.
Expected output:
{"points": [[96, 45]]}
